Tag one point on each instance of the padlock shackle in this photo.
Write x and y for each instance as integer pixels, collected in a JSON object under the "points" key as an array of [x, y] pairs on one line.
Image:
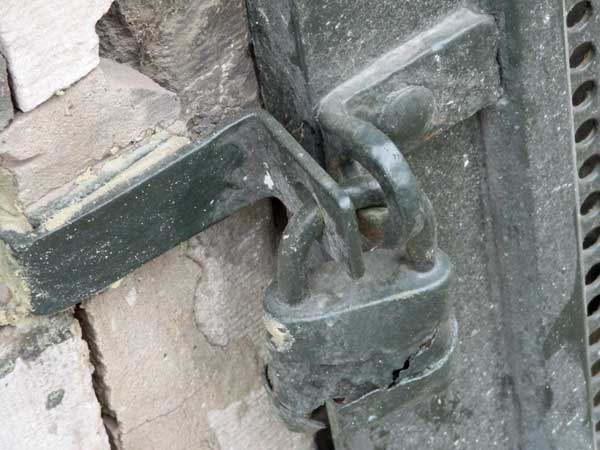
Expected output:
{"points": [[302, 230], [305, 227], [411, 224]]}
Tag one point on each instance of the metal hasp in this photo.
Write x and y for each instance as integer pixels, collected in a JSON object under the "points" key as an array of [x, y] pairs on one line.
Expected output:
{"points": [[124, 218], [306, 49]]}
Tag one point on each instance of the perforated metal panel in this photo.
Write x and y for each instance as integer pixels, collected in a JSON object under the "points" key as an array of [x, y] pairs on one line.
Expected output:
{"points": [[583, 21]]}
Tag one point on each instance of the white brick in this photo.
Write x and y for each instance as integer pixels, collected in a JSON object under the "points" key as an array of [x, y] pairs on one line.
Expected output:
{"points": [[46, 395], [49, 45]]}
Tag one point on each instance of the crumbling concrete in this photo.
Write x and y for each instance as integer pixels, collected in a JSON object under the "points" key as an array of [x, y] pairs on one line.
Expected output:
{"points": [[6, 105], [48, 45], [198, 49], [46, 393]]}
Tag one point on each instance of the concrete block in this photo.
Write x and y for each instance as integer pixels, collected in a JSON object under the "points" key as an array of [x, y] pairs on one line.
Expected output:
{"points": [[48, 45], [6, 106], [104, 112], [178, 344], [198, 49], [46, 393]]}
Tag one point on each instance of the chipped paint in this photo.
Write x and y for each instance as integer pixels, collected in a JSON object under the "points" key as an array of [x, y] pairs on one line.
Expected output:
{"points": [[116, 284], [269, 181], [280, 334]]}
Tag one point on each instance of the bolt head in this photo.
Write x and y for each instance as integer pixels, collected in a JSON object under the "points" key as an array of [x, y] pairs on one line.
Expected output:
{"points": [[406, 114]]}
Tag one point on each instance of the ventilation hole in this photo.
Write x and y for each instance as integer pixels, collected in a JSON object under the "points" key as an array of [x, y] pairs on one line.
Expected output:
{"points": [[593, 306], [589, 165], [595, 337], [590, 203], [579, 14], [584, 94], [591, 238], [586, 131], [592, 274], [582, 55], [596, 368]]}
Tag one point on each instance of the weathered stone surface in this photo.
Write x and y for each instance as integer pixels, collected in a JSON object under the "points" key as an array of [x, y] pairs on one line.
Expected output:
{"points": [[6, 106], [48, 45], [198, 49], [177, 345], [106, 111], [46, 393]]}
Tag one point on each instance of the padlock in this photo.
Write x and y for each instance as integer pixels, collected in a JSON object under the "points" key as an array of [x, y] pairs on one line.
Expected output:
{"points": [[360, 343]]}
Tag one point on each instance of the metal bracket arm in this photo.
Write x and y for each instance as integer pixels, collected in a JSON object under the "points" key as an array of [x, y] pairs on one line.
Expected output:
{"points": [[107, 230]]}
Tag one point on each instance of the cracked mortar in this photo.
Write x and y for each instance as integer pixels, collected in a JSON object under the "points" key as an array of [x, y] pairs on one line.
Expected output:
{"points": [[100, 387], [14, 293]]}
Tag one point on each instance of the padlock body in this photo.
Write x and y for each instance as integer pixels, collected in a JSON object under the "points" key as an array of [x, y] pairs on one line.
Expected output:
{"points": [[349, 338]]}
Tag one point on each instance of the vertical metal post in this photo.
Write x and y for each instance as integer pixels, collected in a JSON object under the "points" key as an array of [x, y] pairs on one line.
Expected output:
{"points": [[533, 203]]}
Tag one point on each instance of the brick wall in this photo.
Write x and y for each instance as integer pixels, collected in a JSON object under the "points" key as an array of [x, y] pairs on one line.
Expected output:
{"points": [[170, 356]]}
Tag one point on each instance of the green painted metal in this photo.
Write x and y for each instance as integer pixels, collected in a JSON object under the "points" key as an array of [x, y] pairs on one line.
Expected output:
{"points": [[373, 346], [350, 341], [398, 99], [352, 423], [304, 228], [178, 196], [496, 159]]}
